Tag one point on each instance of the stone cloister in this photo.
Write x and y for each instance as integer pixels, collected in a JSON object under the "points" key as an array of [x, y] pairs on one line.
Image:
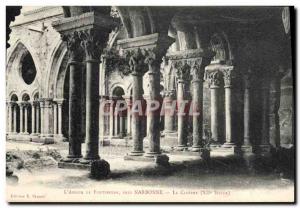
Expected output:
{"points": [[68, 68]]}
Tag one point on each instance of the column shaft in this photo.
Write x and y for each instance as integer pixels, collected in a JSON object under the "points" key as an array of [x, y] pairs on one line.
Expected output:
{"points": [[182, 117], [111, 119], [169, 119], [15, 108], [153, 119], [10, 117], [26, 119], [59, 118], [228, 116], [33, 127], [197, 114], [137, 120], [92, 110], [55, 118], [75, 121], [247, 117], [38, 130], [21, 119]]}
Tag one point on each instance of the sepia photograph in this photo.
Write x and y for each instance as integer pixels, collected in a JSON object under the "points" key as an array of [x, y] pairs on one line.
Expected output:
{"points": [[150, 104]]}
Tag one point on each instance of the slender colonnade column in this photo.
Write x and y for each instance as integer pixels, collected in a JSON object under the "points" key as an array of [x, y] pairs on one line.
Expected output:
{"points": [[228, 76], [214, 85], [183, 75]]}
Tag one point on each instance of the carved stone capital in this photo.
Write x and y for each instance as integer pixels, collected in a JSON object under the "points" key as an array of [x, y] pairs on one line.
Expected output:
{"points": [[214, 78], [73, 44], [59, 101], [137, 64], [182, 70], [229, 75], [93, 42], [46, 102], [145, 52], [198, 68]]}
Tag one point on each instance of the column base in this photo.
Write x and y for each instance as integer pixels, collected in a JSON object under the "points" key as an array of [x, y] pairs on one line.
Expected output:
{"points": [[196, 148], [22, 137], [247, 149], [229, 149], [181, 148], [171, 135], [88, 160], [160, 159], [73, 164], [104, 141], [136, 153], [59, 137], [44, 138], [34, 136], [114, 137], [12, 136]]}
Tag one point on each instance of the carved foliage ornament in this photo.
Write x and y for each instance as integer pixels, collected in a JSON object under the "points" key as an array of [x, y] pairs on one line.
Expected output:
{"points": [[229, 75], [90, 40], [93, 43], [214, 78], [182, 70], [197, 67], [73, 44]]}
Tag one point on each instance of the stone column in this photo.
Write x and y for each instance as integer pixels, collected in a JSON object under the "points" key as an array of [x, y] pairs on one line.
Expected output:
{"points": [[247, 109], [46, 136], [59, 122], [26, 118], [15, 108], [33, 112], [137, 96], [228, 81], [183, 76], [169, 113], [93, 48], [111, 117], [55, 118], [75, 95], [10, 117], [214, 77], [198, 67], [37, 120], [146, 53], [153, 117], [265, 129], [116, 121], [128, 100], [21, 106]]}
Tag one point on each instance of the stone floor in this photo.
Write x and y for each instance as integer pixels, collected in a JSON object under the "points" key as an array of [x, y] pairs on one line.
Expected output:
{"points": [[188, 179]]}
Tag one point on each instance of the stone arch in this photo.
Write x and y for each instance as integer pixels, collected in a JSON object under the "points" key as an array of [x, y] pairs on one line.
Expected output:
{"points": [[13, 97], [35, 94], [15, 56], [25, 96], [57, 71], [118, 91], [114, 86]]}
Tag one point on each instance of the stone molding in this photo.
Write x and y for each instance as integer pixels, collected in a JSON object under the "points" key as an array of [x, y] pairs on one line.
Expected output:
{"points": [[82, 22]]}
